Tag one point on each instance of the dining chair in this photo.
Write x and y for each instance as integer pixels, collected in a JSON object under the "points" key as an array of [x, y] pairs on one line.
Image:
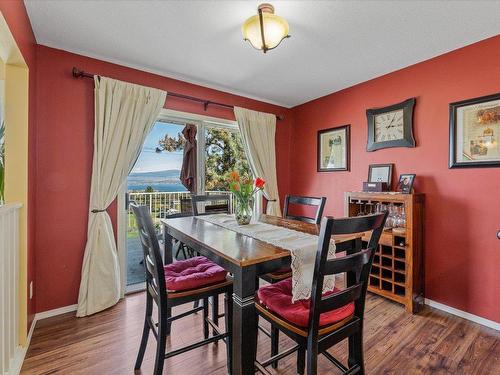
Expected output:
{"points": [[178, 246], [218, 203], [286, 272], [326, 318], [175, 284], [319, 204]]}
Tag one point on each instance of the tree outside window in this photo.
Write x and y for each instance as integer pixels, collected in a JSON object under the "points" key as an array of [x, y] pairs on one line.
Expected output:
{"points": [[223, 153]]}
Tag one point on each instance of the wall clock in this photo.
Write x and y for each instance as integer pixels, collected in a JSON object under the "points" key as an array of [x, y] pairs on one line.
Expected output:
{"points": [[391, 126]]}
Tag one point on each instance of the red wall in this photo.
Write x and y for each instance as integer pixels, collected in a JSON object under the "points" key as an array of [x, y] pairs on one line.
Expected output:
{"points": [[16, 17], [65, 137], [462, 253]]}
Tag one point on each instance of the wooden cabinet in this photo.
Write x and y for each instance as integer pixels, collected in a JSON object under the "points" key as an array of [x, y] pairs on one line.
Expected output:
{"points": [[398, 271]]}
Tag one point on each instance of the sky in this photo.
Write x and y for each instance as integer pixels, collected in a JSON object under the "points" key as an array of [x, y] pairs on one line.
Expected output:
{"points": [[149, 160]]}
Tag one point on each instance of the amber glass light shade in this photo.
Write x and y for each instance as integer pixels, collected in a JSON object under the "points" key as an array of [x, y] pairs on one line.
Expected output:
{"points": [[265, 30]]}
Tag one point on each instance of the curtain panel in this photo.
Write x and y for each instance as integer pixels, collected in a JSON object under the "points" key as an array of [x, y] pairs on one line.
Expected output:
{"points": [[124, 115], [258, 132]]}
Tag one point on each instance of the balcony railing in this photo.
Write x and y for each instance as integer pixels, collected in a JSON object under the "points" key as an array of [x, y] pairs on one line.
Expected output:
{"points": [[162, 204]]}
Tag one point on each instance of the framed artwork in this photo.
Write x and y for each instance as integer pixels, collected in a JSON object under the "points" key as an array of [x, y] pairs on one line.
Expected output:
{"points": [[334, 149], [405, 184], [474, 132], [380, 173], [391, 126]]}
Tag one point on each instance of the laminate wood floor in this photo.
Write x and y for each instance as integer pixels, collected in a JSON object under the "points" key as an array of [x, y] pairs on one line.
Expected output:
{"points": [[396, 342]]}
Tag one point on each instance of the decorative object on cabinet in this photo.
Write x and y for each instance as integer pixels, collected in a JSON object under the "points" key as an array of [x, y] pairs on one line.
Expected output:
{"points": [[375, 187], [405, 184], [380, 173], [397, 272], [334, 149], [474, 131], [391, 126]]}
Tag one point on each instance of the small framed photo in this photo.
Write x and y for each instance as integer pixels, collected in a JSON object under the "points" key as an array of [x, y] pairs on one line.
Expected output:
{"points": [[475, 132], [334, 149], [380, 173], [405, 184]]}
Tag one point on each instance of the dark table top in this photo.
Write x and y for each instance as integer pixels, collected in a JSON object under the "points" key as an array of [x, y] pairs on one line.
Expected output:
{"points": [[238, 248]]}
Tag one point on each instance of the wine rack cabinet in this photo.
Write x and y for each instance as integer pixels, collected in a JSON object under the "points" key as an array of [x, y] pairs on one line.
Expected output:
{"points": [[397, 272]]}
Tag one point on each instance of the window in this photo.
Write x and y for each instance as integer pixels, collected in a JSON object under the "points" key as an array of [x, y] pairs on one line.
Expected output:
{"points": [[154, 180], [223, 152]]}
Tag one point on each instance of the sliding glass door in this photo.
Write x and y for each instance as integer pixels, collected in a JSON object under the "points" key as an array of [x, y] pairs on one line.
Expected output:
{"points": [[154, 180]]}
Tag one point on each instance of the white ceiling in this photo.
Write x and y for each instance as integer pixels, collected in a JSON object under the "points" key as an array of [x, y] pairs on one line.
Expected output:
{"points": [[334, 44]]}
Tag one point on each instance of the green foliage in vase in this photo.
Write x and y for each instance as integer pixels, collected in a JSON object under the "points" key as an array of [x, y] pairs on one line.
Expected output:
{"points": [[244, 188]]}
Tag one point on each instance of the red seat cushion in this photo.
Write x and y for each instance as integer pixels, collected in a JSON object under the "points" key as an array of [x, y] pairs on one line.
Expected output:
{"points": [[278, 299], [193, 273]]}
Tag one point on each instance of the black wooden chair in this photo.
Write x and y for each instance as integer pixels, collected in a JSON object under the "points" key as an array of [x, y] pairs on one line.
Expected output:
{"points": [[217, 204], [178, 246], [286, 272], [329, 318], [319, 203], [166, 296]]}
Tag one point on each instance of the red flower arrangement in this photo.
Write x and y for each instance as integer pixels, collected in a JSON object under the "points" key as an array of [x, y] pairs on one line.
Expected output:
{"points": [[244, 189]]}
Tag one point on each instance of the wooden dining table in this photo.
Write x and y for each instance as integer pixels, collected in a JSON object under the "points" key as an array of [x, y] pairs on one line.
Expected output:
{"points": [[246, 258]]}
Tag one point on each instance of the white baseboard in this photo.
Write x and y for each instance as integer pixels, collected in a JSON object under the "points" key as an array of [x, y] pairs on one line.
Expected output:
{"points": [[55, 312], [463, 314], [20, 354]]}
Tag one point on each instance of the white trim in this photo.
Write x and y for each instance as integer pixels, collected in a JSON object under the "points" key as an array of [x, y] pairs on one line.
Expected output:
{"points": [[4, 208], [463, 314], [55, 312], [17, 362], [168, 74], [170, 114]]}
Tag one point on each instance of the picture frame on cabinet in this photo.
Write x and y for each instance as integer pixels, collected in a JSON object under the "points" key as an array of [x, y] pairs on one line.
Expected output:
{"points": [[405, 184], [381, 173]]}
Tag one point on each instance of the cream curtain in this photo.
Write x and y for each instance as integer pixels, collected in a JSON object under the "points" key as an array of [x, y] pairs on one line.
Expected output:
{"points": [[124, 115], [257, 131]]}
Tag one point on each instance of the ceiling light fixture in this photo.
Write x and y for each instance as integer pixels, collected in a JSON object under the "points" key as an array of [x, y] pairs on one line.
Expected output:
{"points": [[265, 30]]}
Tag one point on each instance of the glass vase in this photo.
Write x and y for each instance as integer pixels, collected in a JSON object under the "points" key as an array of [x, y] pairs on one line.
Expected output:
{"points": [[244, 211]]}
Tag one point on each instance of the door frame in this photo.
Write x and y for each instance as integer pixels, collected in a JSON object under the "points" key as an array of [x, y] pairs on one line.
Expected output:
{"points": [[170, 116]]}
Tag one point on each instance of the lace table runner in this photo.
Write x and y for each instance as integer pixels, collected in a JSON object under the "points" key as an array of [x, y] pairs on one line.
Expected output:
{"points": [[302, 246]]}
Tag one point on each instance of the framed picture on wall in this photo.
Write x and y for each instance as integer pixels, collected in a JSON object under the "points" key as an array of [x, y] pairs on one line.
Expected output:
{"points": [[475, 132], [334, 149], [380, 173]]}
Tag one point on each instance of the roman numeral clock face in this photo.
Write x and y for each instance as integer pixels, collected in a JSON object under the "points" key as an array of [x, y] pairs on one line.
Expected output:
{"points": [[389, 126]]}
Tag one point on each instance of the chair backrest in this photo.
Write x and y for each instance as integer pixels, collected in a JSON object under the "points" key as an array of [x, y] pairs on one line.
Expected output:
{"points": [[186, 205], [356, 266], [153, 264], [220, 203], [319, 203]]}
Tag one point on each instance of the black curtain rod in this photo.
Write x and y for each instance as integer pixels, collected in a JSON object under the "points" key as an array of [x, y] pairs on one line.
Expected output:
{"points": [[77, 73]]}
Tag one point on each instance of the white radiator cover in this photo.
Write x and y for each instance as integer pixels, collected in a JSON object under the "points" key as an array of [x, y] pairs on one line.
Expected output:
{"points": [[9, 287]]}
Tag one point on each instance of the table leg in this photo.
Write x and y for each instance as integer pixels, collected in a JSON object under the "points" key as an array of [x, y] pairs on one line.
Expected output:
{"points": [[244, 322]]}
